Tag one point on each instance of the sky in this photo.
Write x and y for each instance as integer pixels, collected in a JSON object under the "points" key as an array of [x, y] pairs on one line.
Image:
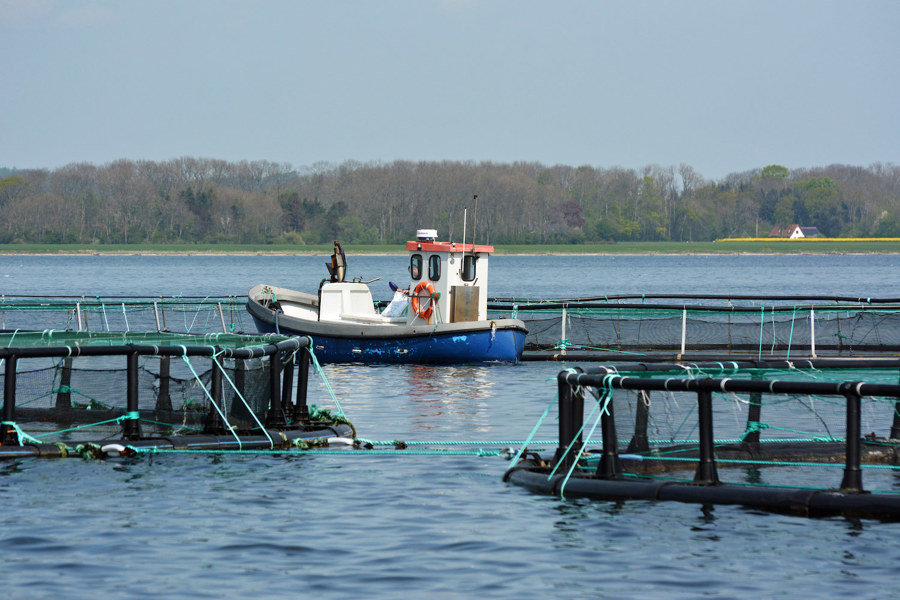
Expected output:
{"points": [[724, 86]]}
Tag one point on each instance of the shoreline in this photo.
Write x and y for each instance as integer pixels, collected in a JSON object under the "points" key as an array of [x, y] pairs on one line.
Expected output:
{"points": [[495, 254]]}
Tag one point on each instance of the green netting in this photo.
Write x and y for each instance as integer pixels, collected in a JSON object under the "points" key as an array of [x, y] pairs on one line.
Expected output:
{"points": [[55, 338], [658, 432], [761, 330], [183, 315]]}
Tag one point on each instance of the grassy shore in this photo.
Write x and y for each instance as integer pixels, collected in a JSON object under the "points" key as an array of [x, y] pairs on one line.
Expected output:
{"points": [[731, 246]]}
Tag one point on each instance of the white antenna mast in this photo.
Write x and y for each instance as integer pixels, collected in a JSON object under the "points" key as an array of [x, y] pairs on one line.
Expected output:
{"points": [[474, 222]]}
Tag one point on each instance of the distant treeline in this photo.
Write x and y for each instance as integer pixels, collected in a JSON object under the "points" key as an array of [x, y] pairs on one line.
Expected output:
{"points": [[214, 201]]}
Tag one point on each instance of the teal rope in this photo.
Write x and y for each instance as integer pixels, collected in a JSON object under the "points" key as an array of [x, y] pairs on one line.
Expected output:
{"points": [[605, 398], [537, 425], [319, 452], [321, 373], [791, 337], [243, 400], [528, 442], [212, 401], [22, 436]]}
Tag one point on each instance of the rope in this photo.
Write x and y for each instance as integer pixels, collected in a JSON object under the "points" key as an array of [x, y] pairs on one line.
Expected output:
{"points": [[243, 400], [318, 369], [212, 401]]}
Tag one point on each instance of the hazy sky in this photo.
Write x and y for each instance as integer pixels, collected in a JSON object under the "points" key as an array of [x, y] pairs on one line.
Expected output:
{"points": [[721, 85]]}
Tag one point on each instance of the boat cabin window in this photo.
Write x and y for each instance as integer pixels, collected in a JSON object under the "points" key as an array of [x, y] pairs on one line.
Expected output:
{"points": [[468, 267], [434, 267], [415, 267]]}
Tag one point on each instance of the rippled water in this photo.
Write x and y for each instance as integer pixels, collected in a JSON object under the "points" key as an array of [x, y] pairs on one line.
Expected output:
{"points": [[393, 526]]}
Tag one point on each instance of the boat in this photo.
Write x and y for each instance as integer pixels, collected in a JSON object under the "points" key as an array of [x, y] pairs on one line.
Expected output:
{"points": [[440, 317]]}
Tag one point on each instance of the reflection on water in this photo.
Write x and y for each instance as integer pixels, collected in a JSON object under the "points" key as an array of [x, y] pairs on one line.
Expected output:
{"points": [[421, 398]]}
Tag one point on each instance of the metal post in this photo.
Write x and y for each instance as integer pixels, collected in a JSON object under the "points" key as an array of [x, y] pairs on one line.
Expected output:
{"points": [[639, 441], [812, 333], [287, 383], [275, 416], [214, 422], [156, 314], [754, 413], [163, 399], [64, 394], [852, 482], [131, 427], [895, 425], [9, 435], [571, 417], [706, 469], [301, 410], [222, 317], [610, 466], [563, 333]]}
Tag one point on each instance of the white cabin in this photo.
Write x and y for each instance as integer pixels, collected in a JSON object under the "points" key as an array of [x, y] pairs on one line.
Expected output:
{"points": [[458, 273]]}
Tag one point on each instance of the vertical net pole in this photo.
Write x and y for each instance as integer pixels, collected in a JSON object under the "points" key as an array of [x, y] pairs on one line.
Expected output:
{"points": [[754, 413], [895, 426], [275, 416], [301, 410], [222, 317], [156, 314], [131, 427], [852, 482], [639, 441], [214, 423], [812, 333], [287, 383], [610, 466], [706, 468], [163, 399], [9, 436], [64, 393], [571, 418]]}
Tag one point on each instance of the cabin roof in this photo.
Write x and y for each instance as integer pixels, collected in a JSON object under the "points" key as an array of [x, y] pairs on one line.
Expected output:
{"points": [[449, 247]]}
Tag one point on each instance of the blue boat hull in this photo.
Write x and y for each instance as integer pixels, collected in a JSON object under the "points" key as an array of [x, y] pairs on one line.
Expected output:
{"points": [[482, 345]]}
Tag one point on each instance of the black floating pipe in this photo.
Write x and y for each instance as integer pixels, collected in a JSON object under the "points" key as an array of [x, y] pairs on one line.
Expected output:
{"points": [[131, 426], [571, 418], [214, 422], [639, 441], [852, 482], [163, 399], [610, 466], [301, 409], [275, 417], [9, 437], [706, 469], [895, 425], [287, 383], [64, 395], [754, 413]]}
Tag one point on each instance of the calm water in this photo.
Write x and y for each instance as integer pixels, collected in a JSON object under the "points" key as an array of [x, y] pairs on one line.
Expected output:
{"points": [[198, 526]]}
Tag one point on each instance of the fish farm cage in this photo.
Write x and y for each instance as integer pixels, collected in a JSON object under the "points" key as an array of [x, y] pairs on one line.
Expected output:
{"points": [[616, 327], [574, 329], [111, 394], [178, 314], [766, 435]]}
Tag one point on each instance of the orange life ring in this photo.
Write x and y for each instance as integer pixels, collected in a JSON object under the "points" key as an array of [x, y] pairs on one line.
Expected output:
{"points": [[424, 311]]}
